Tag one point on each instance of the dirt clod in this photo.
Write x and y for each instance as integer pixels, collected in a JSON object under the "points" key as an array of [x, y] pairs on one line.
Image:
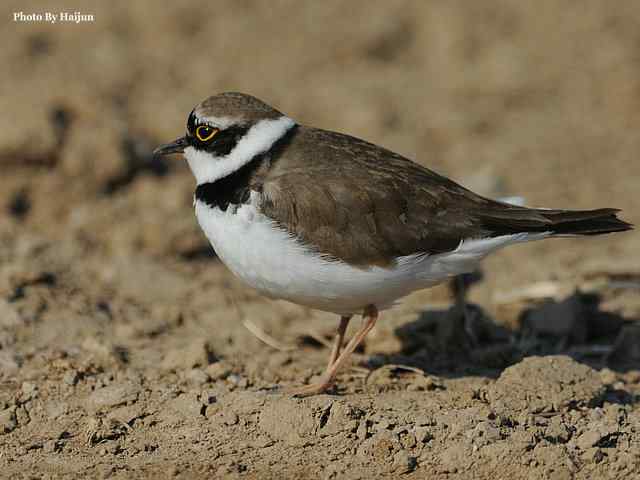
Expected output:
{"points": [[546, 384], [112, 396], [8, 420]]}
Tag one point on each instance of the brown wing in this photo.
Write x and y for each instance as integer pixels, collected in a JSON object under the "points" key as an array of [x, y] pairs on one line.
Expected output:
{"points": [[364, 204]]}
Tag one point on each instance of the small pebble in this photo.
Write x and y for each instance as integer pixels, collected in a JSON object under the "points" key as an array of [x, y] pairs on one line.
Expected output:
{"points": [[49, 446], [423, 434], [403, 462], [230, 418], [29, 390], [71, 377]]}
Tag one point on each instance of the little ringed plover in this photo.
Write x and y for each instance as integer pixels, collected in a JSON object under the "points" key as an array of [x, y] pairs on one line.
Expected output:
{"points": [[335, 223]]}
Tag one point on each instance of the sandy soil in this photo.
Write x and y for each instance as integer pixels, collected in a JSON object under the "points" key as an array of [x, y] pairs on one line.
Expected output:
{"points": [[124, 347]]}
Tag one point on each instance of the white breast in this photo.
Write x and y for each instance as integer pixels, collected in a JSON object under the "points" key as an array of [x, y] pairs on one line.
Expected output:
{"points": [[279, 266]]}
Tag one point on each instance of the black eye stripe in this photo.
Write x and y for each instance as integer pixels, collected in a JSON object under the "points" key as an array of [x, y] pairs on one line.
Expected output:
{"points": [[223, 142]]}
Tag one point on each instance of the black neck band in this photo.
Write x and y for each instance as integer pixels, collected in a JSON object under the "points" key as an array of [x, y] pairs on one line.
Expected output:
{"points": [[236, 187]]}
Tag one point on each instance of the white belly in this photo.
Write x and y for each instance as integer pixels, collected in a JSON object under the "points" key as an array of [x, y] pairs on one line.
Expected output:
{"points": [[279, 266]]}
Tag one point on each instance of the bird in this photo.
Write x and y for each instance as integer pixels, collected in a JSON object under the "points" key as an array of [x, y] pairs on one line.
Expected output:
{"points": [[335, 223]]}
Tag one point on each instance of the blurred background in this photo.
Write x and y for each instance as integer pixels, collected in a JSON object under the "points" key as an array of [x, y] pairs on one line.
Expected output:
{"points": [[102, 265]]}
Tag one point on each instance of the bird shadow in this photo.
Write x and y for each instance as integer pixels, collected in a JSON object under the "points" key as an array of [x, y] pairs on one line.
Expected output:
{"points": [[464, 340]]}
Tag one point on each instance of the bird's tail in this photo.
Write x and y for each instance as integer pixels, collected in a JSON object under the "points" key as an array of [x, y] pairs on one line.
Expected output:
{"points": [[585, 222], [510, 220]]}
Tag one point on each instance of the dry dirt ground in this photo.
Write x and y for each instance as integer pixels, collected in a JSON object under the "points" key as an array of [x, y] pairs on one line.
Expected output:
{"points": [[125, 346]]}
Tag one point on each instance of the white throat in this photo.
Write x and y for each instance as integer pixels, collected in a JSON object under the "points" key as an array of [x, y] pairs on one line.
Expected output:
{"points": [[208, 168]]}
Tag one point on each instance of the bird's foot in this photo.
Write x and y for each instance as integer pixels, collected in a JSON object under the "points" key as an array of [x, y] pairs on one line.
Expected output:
{"points": [[309, 390], [337, 358]]}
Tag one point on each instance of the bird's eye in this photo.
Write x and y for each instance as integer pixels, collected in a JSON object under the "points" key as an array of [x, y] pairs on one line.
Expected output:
{"points": [[204, 133]]}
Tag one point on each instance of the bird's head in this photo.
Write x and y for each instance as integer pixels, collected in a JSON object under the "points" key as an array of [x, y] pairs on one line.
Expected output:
{"points": [[226, 131]]}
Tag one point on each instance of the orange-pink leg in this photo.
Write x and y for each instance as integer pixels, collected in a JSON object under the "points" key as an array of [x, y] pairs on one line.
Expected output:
{"points": [[338, 341], [369, 317]]}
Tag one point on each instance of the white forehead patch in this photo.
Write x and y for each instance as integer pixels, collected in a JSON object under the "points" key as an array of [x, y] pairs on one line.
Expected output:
{"points": [[207, 168], [217, 122]]}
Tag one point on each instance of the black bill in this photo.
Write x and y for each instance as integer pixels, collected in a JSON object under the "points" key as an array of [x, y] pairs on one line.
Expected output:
{"points": [[176, 146]]}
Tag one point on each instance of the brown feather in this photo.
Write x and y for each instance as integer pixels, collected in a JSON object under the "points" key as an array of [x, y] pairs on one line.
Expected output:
{"points": [[363, 204]]}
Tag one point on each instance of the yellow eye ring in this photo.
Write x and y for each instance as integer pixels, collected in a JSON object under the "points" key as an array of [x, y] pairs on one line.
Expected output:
{"points": [[204, 133]]}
